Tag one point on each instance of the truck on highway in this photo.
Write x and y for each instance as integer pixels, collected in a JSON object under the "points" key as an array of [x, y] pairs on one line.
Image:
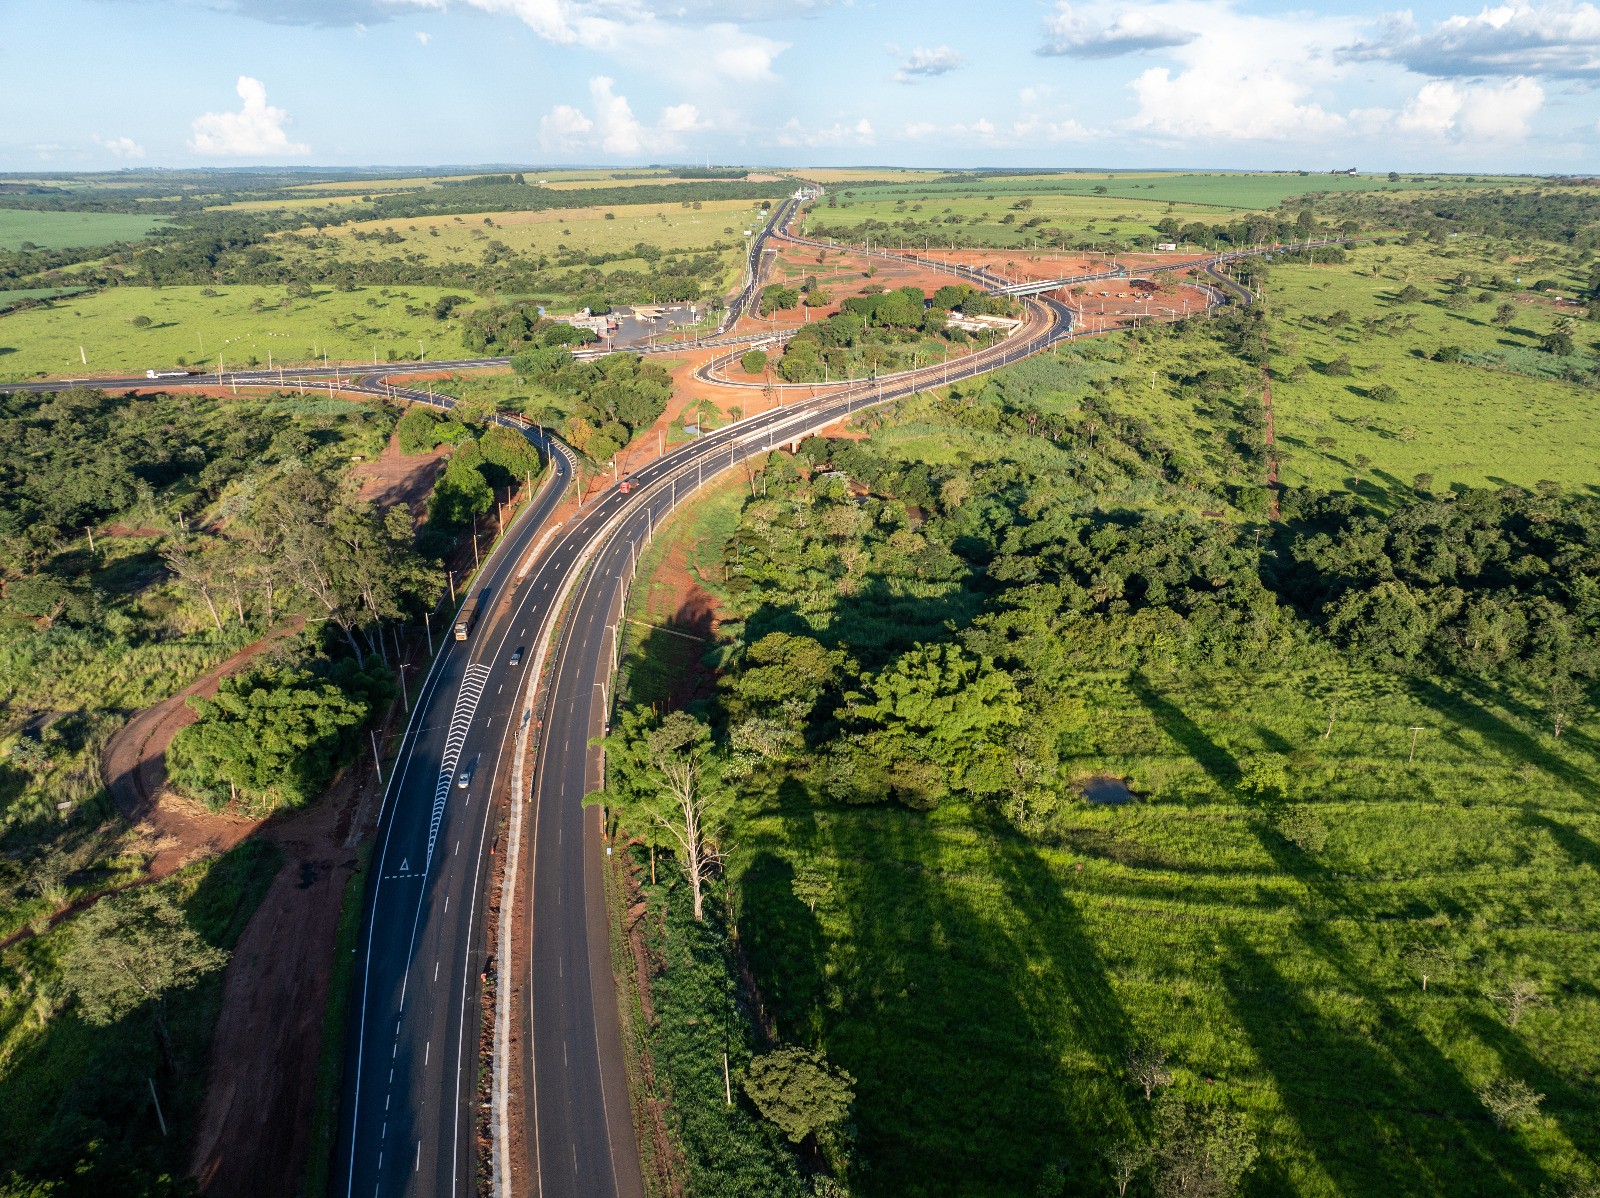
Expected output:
{"points": [[465, 619], [169, 374], [626, 484]]}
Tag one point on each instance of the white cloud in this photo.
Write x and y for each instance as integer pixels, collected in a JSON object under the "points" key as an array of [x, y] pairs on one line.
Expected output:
{"points": [[682, 118], [257, 129], [1558, 39], [614, 128], [839, 133], [1472, 112], [1217, 101], [121, 147], [1243, 76], [564, 128], [1031, 129], [424, 38], [926, 63], [634, 31], [1073, 33]]}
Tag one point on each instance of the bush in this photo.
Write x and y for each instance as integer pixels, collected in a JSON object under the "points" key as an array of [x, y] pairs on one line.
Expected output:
{"points": [[277, 735], [754, 361]]}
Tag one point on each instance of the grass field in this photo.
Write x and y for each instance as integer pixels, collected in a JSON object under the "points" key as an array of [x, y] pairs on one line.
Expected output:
{"points": [[980, 217], [243, 323], [985, 989], [463, 239], [1508, 419], [66, 230], [1228, 190]]}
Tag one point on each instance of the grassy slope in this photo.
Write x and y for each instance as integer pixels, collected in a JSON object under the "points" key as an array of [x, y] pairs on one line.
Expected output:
{"points": [[463, 238], [62, 1079], [1232, 190], [63, 230], [1465, 424], [985, 988], [345, 324], [1073, 213]]}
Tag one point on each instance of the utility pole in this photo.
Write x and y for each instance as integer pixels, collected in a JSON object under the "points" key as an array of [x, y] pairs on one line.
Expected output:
{"points": [[1413, 755]]}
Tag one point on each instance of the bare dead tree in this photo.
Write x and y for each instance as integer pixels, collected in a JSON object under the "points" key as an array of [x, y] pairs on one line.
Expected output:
{"points": [[1517, 997], [1147, 1066]]}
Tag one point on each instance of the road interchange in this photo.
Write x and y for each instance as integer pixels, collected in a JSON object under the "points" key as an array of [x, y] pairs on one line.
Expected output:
{"points": [[410, 1100]]}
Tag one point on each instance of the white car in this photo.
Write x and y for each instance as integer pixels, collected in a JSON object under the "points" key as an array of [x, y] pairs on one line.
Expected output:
{"points": [[464, 778]]}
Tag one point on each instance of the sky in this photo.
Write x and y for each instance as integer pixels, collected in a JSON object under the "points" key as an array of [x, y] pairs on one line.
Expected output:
{"points": [[95, 84]]}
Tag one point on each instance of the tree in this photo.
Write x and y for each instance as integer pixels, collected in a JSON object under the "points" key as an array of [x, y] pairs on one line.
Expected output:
{"points": [[1565, 699], [1428, 962], [130, 951], [277, 734], [666, 784], [798, 1091], [1517, 996], [1422, 481], [754, 361], [1410, 294], [1147, 1067], [460, 494], [1556, 343], [1125, 1160], [1510, 1100], [1201, 1151], [1504, 314]]}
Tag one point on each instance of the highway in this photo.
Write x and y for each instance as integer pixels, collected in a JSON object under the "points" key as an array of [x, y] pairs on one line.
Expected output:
{"points": [[411, 1090]]}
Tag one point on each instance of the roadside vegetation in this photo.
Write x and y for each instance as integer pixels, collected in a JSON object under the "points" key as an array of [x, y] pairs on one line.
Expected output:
{"points": [[1059, 822], [143, 540]]}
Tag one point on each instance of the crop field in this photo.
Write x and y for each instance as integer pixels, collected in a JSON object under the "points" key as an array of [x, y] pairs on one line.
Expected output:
{"points": [[1239, 191], [1275, 978], [66, 230], [716, 224], [1501, 415], [979, 218], [243, 323]]}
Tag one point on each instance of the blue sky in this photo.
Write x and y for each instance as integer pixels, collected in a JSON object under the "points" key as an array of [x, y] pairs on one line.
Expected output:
{"points": [[1192, 83]]}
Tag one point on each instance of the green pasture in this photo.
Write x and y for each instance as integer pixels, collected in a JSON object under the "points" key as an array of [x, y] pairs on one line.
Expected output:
{"points": [[243, 323], [985, 987], [1236, 190], [1502, 415], [980, 218], [463, 239], [65, 230]]}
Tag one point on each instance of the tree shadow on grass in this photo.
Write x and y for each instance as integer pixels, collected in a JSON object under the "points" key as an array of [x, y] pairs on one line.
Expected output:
{"points": [[1574, 843], [1170, 718], [1378, 1106], [1470, 702], [949, 972]]}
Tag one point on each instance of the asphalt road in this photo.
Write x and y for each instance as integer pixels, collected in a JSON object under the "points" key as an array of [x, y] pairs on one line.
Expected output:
{"points": [[409, 1098]]}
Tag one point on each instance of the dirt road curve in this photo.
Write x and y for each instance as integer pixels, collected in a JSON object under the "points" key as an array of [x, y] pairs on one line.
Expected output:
{"points": [[134, 766]]}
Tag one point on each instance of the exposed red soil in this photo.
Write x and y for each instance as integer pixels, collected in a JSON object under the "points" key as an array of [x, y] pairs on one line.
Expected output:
{"points": [[261, 1089], [174, 830], [685, 614], [400, 478]]}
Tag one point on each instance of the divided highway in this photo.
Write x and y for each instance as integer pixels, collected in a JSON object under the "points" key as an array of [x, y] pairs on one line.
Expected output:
{"points": [[409, 1110]]}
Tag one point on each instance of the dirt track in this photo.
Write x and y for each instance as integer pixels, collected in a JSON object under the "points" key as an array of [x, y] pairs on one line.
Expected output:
{"points": [[261, 1092], [133, 763]]}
